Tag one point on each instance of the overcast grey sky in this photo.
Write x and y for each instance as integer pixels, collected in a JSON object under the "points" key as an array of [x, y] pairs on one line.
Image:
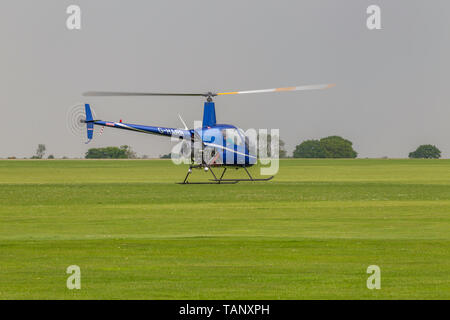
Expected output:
{"points": [[392, 84]]}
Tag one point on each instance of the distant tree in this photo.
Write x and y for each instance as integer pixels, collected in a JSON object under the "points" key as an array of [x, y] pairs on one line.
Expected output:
{"points": [[329, 147], [165, 156], [124, 152], [310, 149], [40, 151], [51, 157], [267, 150], [129, 152], [338, 147], [426, 151], [282, 149]]}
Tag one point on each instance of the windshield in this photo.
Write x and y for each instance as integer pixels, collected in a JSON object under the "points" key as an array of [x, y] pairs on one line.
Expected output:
{"points": [[246, 139], [232, 136]]}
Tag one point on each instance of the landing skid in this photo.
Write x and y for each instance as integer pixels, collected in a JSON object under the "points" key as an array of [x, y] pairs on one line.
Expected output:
{"points": [[238, 180], [220, 180]]}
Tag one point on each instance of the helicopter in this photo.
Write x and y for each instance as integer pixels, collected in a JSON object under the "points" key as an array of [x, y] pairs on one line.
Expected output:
{"points": [[219, 145]]}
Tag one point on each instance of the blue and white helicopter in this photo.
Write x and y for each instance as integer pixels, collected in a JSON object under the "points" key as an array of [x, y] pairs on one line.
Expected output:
{"points": [[220, 145]]}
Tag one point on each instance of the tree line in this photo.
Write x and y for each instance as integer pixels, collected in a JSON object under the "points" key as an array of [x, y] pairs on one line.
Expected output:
{"points": [[328, 147], [123, 152], [338, 147]]}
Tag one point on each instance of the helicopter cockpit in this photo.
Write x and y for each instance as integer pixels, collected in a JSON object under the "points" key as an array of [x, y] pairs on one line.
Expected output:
{"points": [[233, 136]]}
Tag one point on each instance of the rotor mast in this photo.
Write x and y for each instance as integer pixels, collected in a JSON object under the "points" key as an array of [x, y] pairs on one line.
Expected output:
{"points": [[209, 111]]}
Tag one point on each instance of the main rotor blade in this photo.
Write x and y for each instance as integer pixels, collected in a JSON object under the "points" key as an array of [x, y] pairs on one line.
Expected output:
{"points": [[308, 87], [119, 94], [207, 94]]}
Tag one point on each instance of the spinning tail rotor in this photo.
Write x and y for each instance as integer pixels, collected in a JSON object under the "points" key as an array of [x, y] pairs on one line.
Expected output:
{"points": [[80, 121]]}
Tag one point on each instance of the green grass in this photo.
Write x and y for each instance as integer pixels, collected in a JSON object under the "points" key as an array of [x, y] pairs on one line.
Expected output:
{"points": [[310, 233]]}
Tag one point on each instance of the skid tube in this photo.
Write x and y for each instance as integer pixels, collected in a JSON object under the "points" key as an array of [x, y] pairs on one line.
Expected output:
{"points": [[220, 180]]}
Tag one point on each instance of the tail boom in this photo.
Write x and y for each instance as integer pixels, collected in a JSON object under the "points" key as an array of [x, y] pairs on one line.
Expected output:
{"points": [[162, 131]]}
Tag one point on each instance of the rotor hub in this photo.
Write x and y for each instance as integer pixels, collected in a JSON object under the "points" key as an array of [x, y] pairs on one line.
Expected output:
{"points": [[209, 96]]}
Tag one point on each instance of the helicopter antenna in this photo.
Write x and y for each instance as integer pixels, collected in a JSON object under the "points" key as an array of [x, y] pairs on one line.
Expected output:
{"points": [[182, 121]]}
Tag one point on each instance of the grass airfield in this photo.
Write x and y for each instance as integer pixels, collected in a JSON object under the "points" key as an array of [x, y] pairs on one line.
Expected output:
{"points": [[310, 233]]}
